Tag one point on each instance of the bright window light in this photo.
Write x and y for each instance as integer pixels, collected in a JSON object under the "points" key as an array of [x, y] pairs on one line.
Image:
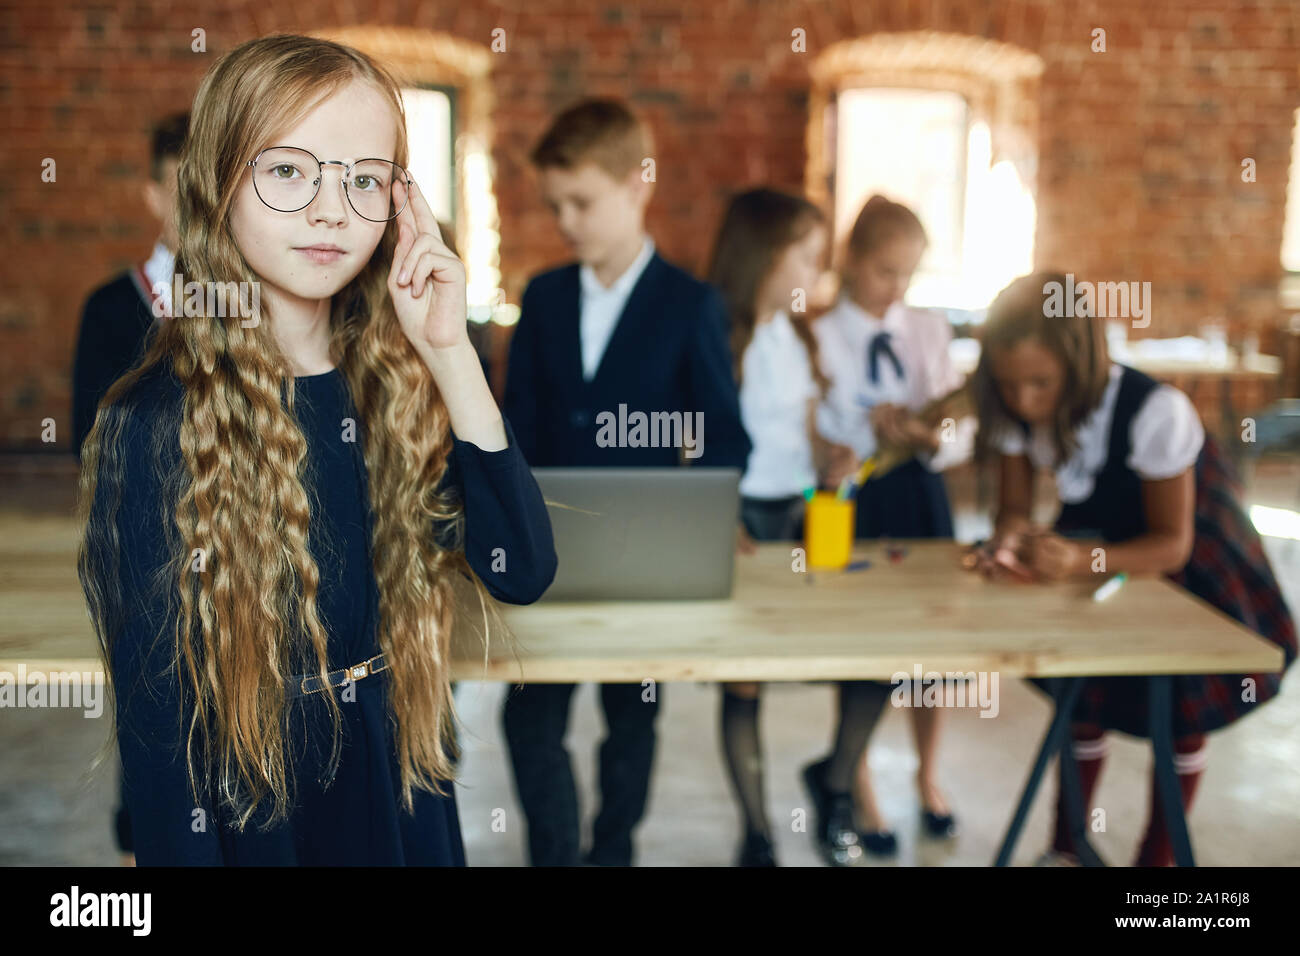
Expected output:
{"points": [[921, 148], [1276, 522], [1291, 229]]}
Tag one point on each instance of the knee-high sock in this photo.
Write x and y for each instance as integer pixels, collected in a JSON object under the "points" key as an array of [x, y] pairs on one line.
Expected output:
{"points": [[1090, 747], [1189, 763], [743, 749], [861, 703]]}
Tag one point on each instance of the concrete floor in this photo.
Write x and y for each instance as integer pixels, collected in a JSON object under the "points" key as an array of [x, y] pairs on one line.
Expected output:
{"points": [[52, 811]]}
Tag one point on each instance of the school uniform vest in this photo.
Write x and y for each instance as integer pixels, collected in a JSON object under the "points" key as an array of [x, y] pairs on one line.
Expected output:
{"points": [[1227, 568]]}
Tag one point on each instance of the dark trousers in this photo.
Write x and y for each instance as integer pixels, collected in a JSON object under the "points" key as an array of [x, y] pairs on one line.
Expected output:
{"points": [[773, 519], [535, 719]]}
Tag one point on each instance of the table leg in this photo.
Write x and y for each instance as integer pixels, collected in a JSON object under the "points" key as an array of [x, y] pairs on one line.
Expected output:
{"points": [[1160, 693], [1075, 811], [1065, 693]]}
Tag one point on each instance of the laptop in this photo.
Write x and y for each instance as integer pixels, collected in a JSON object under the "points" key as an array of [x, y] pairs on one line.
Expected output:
{"points": [[636, 534]]}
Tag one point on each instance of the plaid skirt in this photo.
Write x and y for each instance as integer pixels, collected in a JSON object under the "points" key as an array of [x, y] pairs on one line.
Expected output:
{"points": [[1229, 570]]}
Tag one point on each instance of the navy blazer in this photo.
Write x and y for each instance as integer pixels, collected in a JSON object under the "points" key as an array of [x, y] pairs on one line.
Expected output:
{"points": [[668, 353], [116, 324]]}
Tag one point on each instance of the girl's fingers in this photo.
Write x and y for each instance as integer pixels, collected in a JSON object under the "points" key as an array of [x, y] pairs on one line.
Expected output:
{"points": [[422, 215], [420, 272], [418, 246], [424, 243], [407, 216], [432, 267], [405, 239]]}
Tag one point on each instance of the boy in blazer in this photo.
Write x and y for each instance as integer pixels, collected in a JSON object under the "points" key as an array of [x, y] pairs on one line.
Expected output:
{"points": [[621, 326], [120, 315]]}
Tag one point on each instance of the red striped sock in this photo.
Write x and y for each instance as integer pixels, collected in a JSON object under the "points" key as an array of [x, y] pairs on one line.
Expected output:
{"points": [[1189, 764], [1090, 747]]}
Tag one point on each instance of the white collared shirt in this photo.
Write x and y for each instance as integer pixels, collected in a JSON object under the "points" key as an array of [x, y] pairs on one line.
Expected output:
{"points": [[601, 307], [1165, 439], [775, 389], [920, 338], [158, 269]]}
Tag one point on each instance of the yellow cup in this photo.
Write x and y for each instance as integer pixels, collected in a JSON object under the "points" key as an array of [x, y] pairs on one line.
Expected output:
{"points": [[828, 531]]}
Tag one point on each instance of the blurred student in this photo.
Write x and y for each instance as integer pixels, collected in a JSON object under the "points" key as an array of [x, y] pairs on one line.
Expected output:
{"points": [[885, 362], [621, 326], [120, 316], [766, 259], [116, 324], [1137, 475]]}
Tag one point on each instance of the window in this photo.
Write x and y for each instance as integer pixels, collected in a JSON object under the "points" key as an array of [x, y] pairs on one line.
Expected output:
{"points": [[430, 130], [924, 148], [1291, 229]]}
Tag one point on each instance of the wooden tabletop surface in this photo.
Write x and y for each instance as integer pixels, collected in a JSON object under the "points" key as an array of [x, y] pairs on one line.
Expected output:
{"points": [[924, 610]]}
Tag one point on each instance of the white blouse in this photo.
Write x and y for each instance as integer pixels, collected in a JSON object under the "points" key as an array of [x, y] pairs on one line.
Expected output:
{"points": [[600, 307], [920, 338], [158, 269], [1165, 439], [776, 387]]}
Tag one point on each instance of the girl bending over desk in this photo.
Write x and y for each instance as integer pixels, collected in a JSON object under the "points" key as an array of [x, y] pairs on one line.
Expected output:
{"points": [[1138, 478]]}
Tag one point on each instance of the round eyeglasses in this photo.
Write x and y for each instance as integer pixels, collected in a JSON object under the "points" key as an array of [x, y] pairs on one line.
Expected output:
{"points": [[287, 179]]}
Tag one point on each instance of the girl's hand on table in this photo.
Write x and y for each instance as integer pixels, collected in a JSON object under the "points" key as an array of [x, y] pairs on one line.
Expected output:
{"points": [[744, 543], [1054, 558], [1003, 555]]}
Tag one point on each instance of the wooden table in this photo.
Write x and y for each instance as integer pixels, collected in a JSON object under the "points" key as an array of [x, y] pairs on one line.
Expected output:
{"points": [[779, 625], [924, 612]]}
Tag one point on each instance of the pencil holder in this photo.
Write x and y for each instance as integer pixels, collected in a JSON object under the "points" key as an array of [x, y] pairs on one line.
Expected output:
{"points": [[828, 531]]}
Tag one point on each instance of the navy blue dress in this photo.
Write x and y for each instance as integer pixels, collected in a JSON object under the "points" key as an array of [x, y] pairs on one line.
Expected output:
{"points": [[356, 817]]}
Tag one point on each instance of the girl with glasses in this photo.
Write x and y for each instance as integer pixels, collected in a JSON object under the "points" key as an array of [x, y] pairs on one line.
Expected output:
{"points": [[279, 512]]}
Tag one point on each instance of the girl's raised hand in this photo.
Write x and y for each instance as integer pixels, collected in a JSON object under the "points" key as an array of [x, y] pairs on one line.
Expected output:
{"points": [[422, 262]]}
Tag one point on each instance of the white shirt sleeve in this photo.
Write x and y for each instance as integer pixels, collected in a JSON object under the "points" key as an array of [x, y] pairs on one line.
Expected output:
{"points": [[838, 418], [930, 339], [933, 340], [1166, 435]]}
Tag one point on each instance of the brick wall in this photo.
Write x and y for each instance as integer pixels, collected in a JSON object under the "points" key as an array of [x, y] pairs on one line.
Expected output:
{"points": [[1138, 177]]}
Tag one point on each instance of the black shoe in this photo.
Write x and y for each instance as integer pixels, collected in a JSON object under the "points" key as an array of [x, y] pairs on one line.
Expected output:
{"points": [[941, 825], [879, 843], [837, 841], [756, 851]]}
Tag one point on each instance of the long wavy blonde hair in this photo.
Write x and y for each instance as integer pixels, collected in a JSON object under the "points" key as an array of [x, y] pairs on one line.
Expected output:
{"points": [[241, 496]]}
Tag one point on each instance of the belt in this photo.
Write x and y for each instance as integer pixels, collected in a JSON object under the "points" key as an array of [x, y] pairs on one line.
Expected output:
{"points": [[305, 684]]}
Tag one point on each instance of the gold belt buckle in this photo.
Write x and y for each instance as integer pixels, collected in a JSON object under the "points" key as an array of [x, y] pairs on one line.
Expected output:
{"points": [[366, 668], [354, 673]]}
